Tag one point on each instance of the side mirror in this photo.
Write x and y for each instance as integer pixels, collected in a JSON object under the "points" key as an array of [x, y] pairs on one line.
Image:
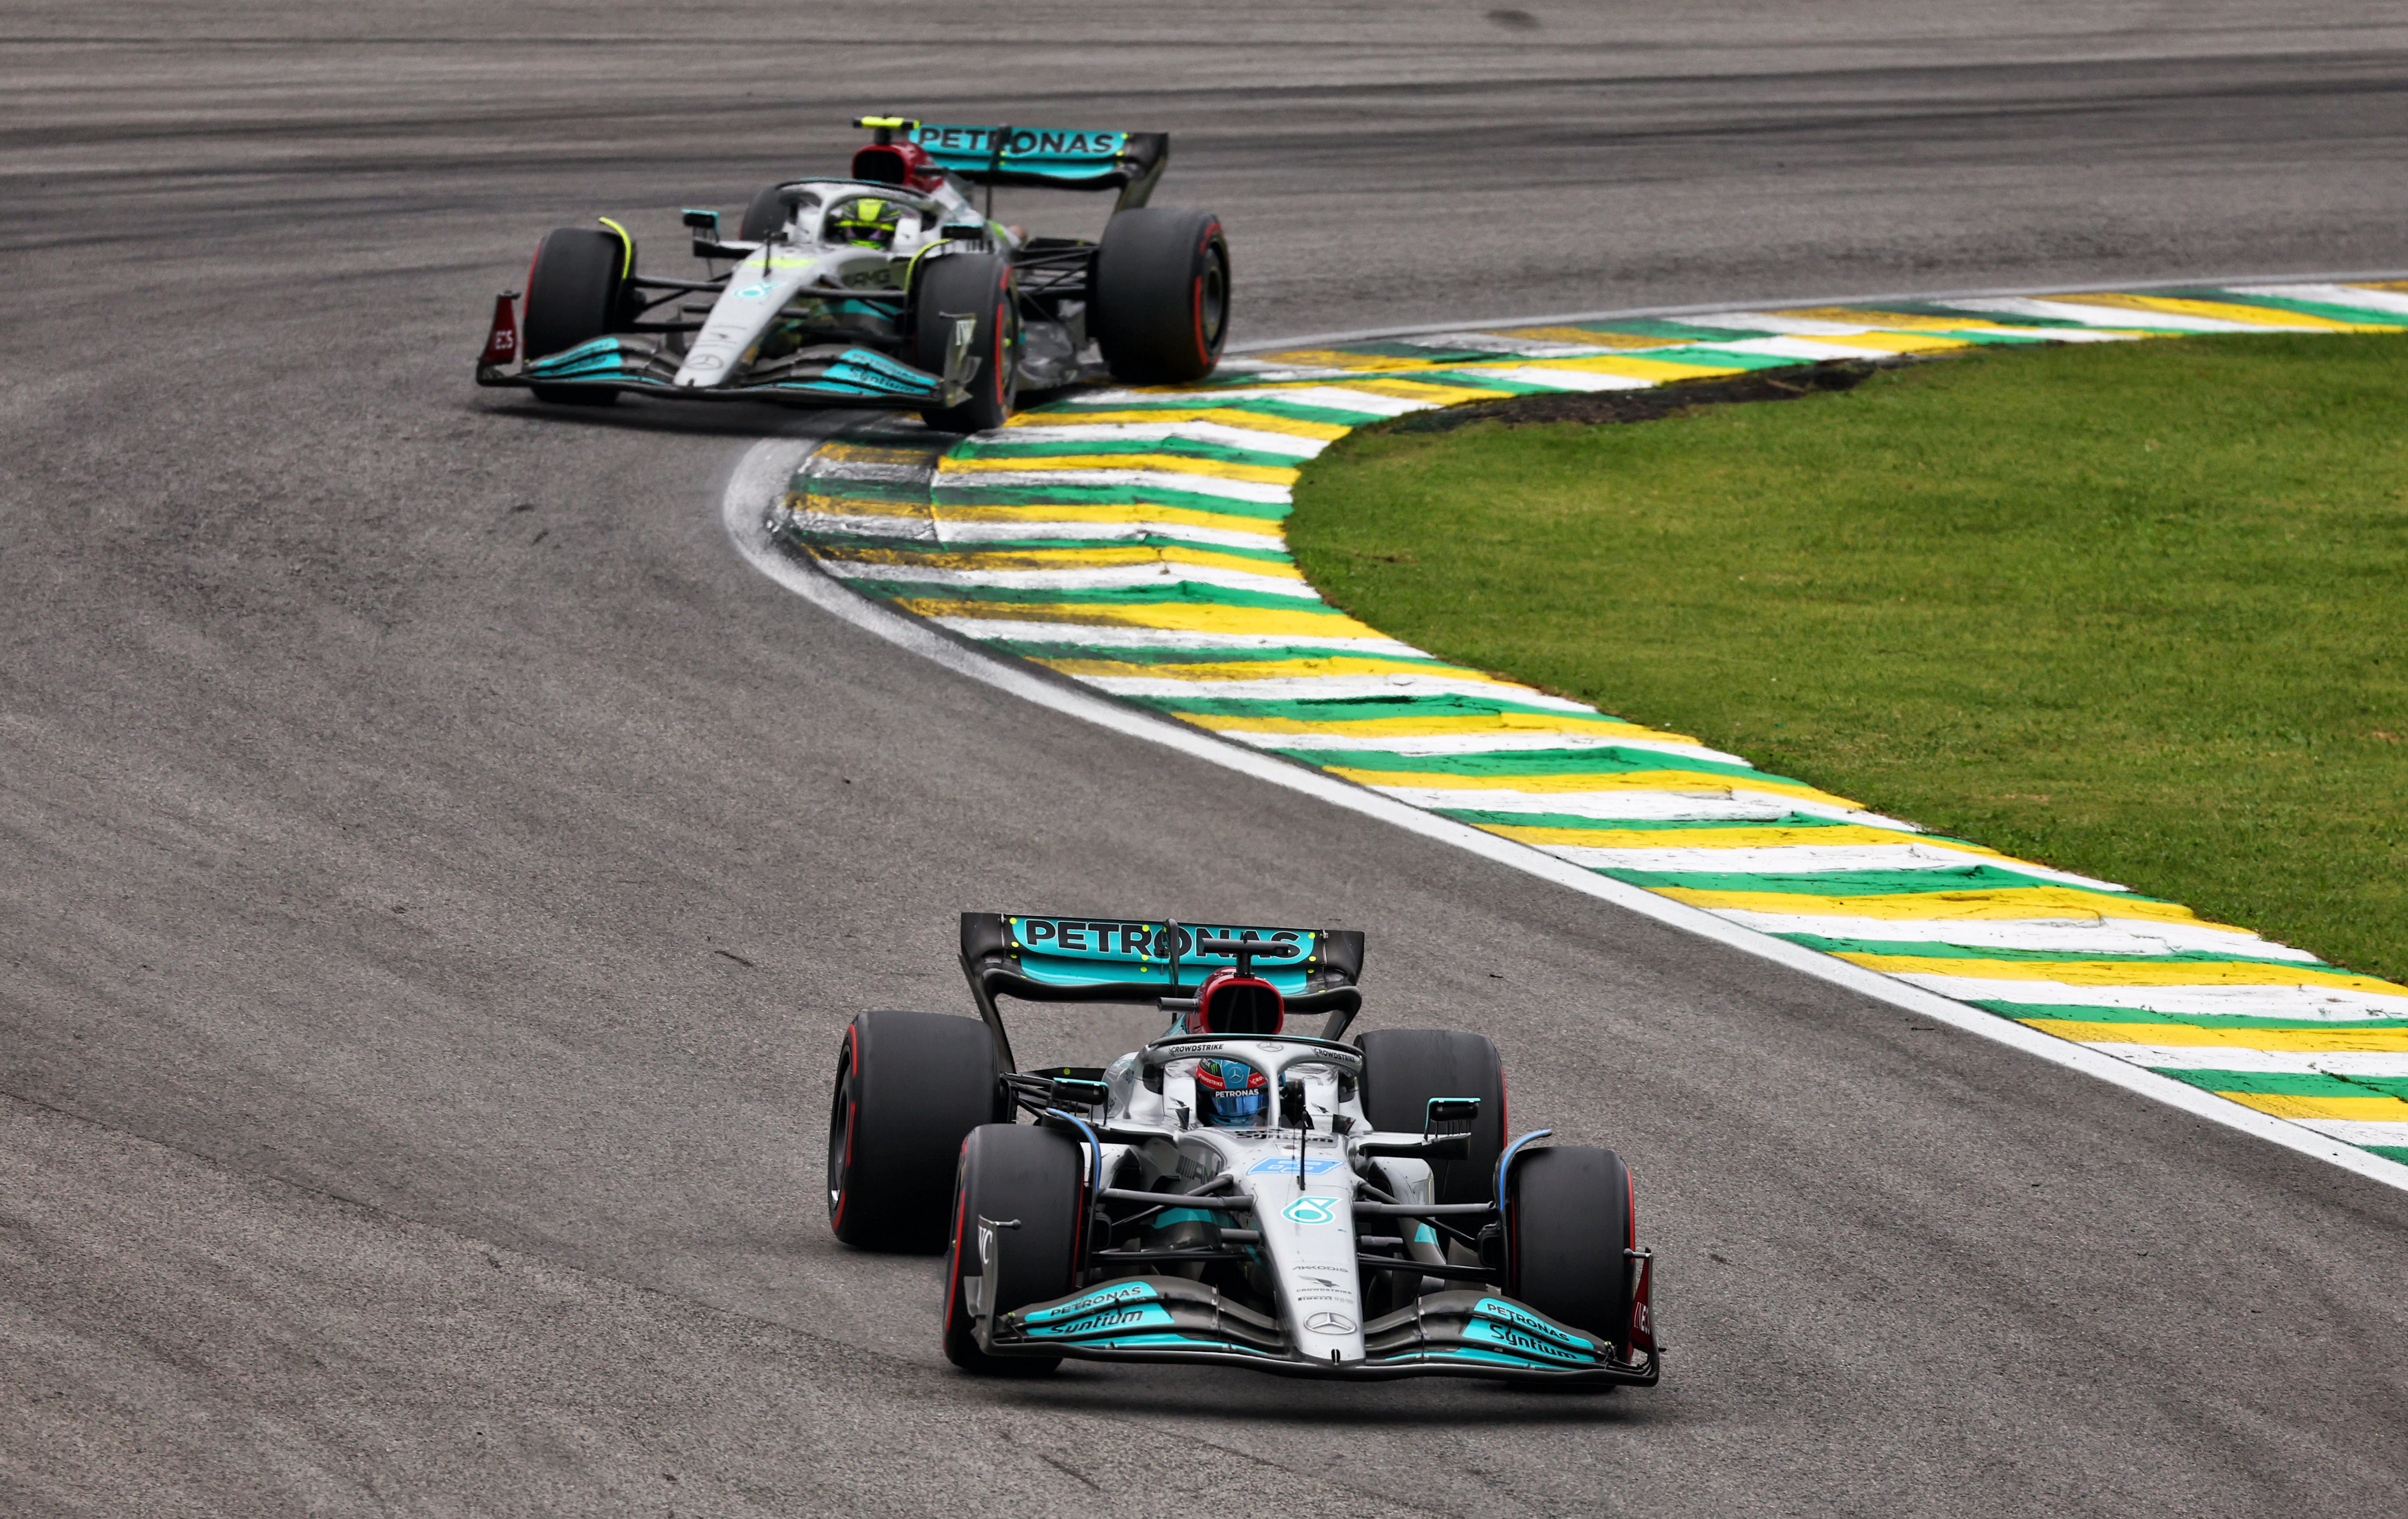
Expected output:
{"points": [[705, 223], [1449, 1111], [1069, 1092]]}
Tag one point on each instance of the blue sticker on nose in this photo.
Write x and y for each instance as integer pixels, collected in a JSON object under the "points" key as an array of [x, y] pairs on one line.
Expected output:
{"points": [[1285, 1166]]}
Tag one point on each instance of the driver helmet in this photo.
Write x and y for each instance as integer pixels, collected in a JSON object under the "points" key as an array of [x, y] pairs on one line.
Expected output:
{"points": [[1233, 1094], [867, 221]]}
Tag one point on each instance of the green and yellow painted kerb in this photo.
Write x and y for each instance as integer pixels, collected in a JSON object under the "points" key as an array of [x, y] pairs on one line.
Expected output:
{"points": [[1131, 541]]}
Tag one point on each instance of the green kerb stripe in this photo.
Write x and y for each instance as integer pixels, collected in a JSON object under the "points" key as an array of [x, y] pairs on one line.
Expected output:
{"points": [[1604, 759], [1479, 817], [2025, 1012], [1968, 878], [1179, 447], [1928, 949], [2291, 1085], [969, 493], [1185, 592]]}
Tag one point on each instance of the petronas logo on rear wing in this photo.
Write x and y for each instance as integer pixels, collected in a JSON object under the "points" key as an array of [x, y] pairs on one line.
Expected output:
{"points": [[1056, 958], [1046, 157]]}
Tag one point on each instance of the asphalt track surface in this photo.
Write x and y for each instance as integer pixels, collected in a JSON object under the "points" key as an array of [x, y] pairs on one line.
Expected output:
{"points": [[433, 868]]}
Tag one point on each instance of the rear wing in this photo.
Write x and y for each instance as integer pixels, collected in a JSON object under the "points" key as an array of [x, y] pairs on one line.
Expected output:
{"points": [[1058, 959], [1048, 158]]}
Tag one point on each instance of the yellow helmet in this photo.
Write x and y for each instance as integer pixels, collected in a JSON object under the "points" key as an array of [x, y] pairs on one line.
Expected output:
{"points": [[867, 221]]}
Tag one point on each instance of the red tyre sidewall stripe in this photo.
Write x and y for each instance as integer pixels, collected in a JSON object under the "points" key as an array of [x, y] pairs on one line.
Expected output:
{"points": [[1002, 314], [852, 1111], [961, 1218], [1195, 298]]}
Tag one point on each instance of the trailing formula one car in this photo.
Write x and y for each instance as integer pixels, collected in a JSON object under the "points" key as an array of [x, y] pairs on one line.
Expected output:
{"points": [[887, 288], [1232, 1194]]}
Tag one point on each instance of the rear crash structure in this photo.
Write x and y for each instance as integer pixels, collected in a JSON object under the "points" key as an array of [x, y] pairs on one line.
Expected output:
{"points": [[888, 288], [1232, 1194]]}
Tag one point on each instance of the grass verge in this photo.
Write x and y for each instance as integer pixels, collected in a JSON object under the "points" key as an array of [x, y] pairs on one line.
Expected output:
{"points": [[2138, 611]]}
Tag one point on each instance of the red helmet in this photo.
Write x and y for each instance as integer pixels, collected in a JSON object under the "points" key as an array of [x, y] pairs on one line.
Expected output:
{"points": [[1241, 1005], [897, 162]]}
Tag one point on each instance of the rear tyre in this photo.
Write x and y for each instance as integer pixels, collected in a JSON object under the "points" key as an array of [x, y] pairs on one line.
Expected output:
{"points": [[1032, 1177], [1160, 310], [576, 288], [969, 284], [910, 1086], [1404, 1068], [765, 216], [1567, 1224]]}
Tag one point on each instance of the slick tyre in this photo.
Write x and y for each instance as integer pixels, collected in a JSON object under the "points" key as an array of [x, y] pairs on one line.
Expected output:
{"points": [[910, 1086], [765, 216], [949, 288], [577, 288], [1404, 1068], [1568, 1221], [1161, 303], [1030, 1186]]}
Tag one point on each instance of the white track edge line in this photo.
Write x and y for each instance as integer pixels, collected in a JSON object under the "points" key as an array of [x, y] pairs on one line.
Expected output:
{"points": [[1270, 345], [760, 477]]}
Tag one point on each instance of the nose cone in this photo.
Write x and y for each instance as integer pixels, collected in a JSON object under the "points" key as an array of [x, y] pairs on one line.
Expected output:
{"points": [[1308, 1234]]}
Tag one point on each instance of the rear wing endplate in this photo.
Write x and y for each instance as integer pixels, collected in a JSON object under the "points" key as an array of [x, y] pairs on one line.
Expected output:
{"points": [[1044, 958], [1049, 158]]}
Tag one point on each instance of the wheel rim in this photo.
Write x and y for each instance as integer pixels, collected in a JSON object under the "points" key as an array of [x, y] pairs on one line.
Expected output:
{"points": [[1212, 302], [839, 1142]]}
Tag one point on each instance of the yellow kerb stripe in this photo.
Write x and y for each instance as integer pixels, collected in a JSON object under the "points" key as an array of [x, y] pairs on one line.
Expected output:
{"points": [[1692, 781], [1741, 837], [2125, 973], [1339, 358], [1515, 724], [1175, 616], [1264, 669], [2330, 1041], [2256, 316], [2002, 902], [820, 504], [1904, 322], [2365, 1110], [1167, 463], [1080, 512], [1592, 340], [1890, 342], [1622, 364], [1418, 390], [1103, 557], [1235, 415]]}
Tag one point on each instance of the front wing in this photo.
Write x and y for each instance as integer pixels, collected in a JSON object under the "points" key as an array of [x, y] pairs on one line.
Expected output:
{"points": [[1446, 1334], [823, 375]]}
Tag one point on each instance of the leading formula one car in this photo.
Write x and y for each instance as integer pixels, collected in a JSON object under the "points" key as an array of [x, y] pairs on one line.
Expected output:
{"points": [[886, 288], [1233, 1194]]}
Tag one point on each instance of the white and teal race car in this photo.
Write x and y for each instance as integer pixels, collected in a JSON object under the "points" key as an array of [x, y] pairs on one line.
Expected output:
{"points": [[1233, 1194], [887, 288]]}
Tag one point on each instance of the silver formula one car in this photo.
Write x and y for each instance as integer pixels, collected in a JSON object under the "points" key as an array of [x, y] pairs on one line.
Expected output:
{"points": [[1233, 1194], [888, 288]]}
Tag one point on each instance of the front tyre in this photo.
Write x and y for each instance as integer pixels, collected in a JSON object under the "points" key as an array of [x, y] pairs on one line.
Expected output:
{"points": [[908, 1087], [951, 287], [1567, 1223], [576, 289], [1160, 310], [1404, 1068], [1029, 1186]]}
